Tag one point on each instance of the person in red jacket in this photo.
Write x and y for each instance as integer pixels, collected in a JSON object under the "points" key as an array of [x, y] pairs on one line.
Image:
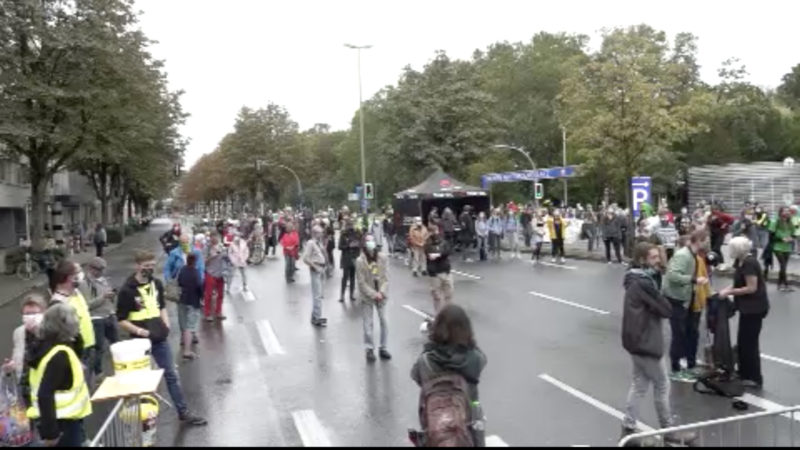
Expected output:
{"points": [[718, 226], [290, 241]]}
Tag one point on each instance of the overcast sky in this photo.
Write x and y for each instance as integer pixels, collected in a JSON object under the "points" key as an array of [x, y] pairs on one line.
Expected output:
{"points": [[229, 53]]}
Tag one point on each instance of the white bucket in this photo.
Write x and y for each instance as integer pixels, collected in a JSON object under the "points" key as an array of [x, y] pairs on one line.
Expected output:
{"points": [[130, 356]]}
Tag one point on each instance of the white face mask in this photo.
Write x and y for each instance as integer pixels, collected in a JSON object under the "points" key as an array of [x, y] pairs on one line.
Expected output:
{"points": [[370, 245], [32, 321]]}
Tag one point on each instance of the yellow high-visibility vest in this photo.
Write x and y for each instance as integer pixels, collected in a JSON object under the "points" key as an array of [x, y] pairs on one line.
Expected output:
{"points": [[71, 404], [77, 301], [150, 310]]}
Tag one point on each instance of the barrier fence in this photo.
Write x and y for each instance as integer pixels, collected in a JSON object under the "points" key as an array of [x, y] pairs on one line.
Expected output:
{"points": [[122, 427], [757, 429]]}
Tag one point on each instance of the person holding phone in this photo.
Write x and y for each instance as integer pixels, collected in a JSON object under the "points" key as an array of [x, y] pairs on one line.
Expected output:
{"points": [[373, 288]]}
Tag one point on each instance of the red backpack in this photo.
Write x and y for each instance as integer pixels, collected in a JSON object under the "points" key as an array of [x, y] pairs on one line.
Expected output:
{"points": [[445, 411]]}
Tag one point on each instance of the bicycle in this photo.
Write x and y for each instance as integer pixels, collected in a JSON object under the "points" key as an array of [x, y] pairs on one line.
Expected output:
{"points": [[35, 263]]}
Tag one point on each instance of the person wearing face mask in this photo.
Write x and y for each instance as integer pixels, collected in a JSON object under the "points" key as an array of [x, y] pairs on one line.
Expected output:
{"points": [[437, 252], [214, 280], [142, 313], [239, 252], [496, 228], [761, 219], [665, 235], [418, 235], [33, 307], [101, 297], [315, 258], [684, 222], [746, 226], [644, 311], [171, 238], [784, 232], [376, 230], [537, 239], [373, 288], [557, 227], [67, 277], [482, 231]]}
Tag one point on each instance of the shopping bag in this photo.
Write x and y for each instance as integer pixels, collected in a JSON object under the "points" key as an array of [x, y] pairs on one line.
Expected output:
{"points": [[172, 292], [15, 428]]}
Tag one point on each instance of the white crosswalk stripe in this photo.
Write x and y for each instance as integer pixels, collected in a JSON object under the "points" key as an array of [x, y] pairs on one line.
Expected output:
{"points": [[310, 429]]}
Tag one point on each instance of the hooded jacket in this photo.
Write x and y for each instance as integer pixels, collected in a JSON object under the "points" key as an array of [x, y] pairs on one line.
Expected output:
{"points": [[643, 314], [467, 362]]}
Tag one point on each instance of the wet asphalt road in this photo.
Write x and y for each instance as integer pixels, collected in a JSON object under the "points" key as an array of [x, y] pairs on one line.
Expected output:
{"points": [[556, 374]]}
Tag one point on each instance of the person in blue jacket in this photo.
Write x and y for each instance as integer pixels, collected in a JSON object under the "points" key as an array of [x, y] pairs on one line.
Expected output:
{"points": [[177, 259]]}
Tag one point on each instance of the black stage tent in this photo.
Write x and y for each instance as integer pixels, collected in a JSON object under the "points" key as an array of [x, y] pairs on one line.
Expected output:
{"points": [[440, 190]]}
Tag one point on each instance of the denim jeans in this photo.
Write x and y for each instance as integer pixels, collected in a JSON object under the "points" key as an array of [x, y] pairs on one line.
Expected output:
{"points": [[685, 335], [316, 294], [648, 370], [368, 316], [104, 330], [163, 356]]}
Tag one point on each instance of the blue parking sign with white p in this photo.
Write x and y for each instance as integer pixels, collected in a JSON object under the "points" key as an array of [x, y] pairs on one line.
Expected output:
{"points": [[640, 188]]}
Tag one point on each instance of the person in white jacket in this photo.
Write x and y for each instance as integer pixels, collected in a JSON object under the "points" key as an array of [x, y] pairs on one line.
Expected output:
{"points": [[376, 230], [239, 253]]}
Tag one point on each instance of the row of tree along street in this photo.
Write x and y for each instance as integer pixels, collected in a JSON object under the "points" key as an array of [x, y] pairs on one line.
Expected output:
{"points": [[635, 106], [79, 90]]}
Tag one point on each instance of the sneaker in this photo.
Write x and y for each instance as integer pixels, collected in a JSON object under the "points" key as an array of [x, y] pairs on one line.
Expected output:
{"points": [[190, 356], [680, 437], [194, 339], [318, 323], [751, 384], [209, 319], [609, 263], [552, 260], [341, 299], [414, 273], [190, 419], [221, 317], [562, 261], [370, 355], [384, 354]]}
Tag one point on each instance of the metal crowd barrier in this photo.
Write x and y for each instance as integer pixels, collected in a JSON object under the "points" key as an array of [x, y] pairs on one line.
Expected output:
{"points": [[728, 431], [122, 427]]}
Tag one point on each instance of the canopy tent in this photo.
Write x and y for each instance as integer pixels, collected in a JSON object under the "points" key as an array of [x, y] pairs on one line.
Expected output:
{"points": [[440, 190]]}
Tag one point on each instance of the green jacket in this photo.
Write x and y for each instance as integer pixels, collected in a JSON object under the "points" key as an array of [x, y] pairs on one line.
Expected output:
{"points": [[782, 230], [678, 283]]}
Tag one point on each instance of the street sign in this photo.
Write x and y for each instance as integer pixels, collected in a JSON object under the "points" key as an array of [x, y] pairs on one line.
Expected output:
{"points": [[364, 204], [640, 188], [369, 193], [538, 191], [352, 197]]}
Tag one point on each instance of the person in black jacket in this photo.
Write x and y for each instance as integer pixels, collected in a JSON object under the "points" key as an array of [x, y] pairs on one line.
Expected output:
{"points": [[190, 303], [437, 253], [644, 312], [350, 246]]}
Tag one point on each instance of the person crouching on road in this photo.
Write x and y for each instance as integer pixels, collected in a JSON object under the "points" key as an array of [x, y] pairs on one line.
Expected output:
{"points": [[418, 235], [290, 241], [373, 287], [451, 348], [680, 285], [437, 252], [214, 280], [142, 312], [314, 256], [101, 308], [643, 338], [59, 395], [750, 294]]}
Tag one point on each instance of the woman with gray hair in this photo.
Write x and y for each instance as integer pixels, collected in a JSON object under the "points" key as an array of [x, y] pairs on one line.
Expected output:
{"points": [[750, 294], [59, 396]]}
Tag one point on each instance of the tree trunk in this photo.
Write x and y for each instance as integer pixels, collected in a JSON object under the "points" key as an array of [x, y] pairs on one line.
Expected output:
{"points": [[103, 194], [630, 238], [119, 211], [38, 202], [130, 209]]}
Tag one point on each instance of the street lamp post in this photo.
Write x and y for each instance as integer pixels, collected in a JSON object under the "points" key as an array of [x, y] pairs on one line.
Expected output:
{"points": [[564, 156], [358, 49], [262, 162], [533, 165]]}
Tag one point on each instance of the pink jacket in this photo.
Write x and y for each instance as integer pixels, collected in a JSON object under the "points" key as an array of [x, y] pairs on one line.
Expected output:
{"points": [[239, 253]]}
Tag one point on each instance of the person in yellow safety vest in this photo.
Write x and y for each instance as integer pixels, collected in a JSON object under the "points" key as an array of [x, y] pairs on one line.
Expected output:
{"points": [[142, 312], [59, 397], [64, 283]]}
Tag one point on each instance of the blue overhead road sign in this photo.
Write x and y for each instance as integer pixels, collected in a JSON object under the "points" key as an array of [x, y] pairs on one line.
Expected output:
{"points": [[641, 189]]}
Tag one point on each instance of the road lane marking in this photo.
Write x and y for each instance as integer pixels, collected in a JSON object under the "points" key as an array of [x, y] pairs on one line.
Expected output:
{"points": [[310, 429], [567, 302], [422, 314], [591, 400], [560, 266], [268, 338], [781, 361], [466, 275], [495, 441], [766, 405]]}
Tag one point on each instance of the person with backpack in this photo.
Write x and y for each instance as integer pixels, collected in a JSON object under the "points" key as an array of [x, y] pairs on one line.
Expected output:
{"points": [[644, 311], [750, 294], [448, 371]]}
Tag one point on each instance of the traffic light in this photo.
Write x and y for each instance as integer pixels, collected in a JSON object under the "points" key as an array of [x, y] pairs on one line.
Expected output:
{"points": [[369, 194], [538, 191]]}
